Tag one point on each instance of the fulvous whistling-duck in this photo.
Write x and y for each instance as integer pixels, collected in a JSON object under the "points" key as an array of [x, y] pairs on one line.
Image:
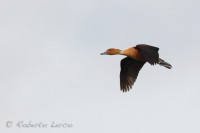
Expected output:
{"points": [[136, 57]]}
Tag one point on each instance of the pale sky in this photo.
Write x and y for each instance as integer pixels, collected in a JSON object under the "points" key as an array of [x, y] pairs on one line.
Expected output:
{"points": [[51, 68]]}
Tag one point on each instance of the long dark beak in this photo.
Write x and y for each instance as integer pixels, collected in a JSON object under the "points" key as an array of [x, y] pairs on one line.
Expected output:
{"points": [[104, 53]]}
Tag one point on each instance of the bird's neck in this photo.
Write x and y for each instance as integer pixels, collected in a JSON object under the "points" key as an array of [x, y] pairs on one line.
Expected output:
{"points": [[128, 52], [132, 53]]}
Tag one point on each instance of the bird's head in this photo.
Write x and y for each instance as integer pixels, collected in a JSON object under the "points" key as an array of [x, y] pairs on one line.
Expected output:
{"points": [[111, 51]]}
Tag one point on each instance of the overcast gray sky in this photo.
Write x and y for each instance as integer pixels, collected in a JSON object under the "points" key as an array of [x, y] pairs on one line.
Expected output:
{"points": [[51, 70]]}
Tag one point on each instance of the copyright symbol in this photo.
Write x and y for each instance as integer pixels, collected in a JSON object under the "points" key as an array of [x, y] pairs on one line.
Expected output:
{"points": [[9, 124]]}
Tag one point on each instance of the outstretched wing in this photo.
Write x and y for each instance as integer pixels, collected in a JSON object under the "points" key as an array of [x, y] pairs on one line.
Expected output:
{"points": [[129, 72], [150, 53]]}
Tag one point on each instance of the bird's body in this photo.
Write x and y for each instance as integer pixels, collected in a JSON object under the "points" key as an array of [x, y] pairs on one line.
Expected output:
{"points": [[136, 57]]}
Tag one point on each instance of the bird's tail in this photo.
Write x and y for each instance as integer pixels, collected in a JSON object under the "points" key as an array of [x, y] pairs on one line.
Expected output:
{"points": [[165, 64]]}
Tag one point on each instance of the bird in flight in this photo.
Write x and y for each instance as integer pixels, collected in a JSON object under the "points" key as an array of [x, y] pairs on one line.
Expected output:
{"points": [[131, 65]]}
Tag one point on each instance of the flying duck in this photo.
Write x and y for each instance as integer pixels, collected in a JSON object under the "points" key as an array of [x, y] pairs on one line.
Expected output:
{"points": [[131, 65]]}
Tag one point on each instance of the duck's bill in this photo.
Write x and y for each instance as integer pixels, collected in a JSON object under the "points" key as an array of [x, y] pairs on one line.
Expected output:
{"points": [[104, 53]]}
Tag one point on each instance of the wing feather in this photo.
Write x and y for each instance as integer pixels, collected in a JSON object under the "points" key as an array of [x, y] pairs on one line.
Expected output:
{"points": [[150, 53], [129, 71]]}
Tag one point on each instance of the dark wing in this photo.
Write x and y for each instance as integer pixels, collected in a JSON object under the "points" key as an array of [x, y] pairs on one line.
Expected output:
{"points": [[150, 53], [129, 72]]}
